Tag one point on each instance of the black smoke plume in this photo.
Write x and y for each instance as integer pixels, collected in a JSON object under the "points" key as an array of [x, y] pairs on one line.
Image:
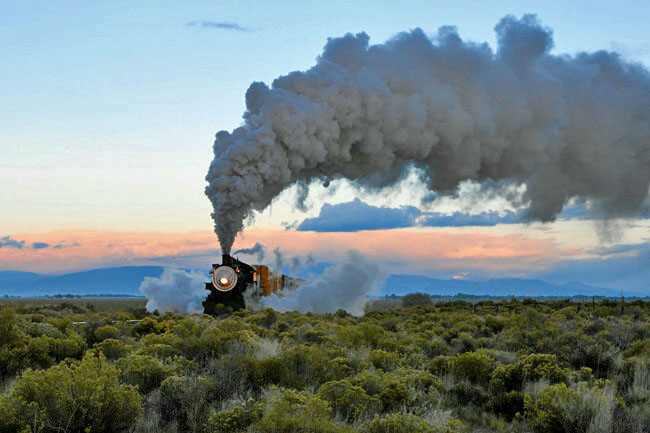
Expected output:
{"points": [[257, 250], [564, 126]]}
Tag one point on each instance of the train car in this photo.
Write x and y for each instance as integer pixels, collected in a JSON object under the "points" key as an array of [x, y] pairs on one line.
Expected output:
{"points": [[233, 280]]}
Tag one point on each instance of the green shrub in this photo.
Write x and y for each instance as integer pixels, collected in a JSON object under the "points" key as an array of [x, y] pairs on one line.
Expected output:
{"points": [[419, 380], [363, 334], [386, 361], [430, 344], [72, 346], [298, 412], [143, 371], [217, 340], [9, 332], [465, 393], [150, 325], [186, 400], [371, 381], [408, 423], [394, 395], [393, 392], [474, 366], [558, 409], [304, 366], [236, 419], [36, 328], [8, 421], [414, 299], [341, 367], [464, 342], [262, 372], [113, 349], [441, 365], [585, 374], [509, 404], [638, 348], [20, 350], [349, 401], [83, 396], [548, 411], [455, 425], [107, 331], [531, 368], [399, 423], [541, 366]]}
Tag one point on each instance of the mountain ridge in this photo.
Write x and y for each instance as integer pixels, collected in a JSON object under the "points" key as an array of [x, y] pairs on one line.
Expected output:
{"points": [[401, 284], [125, 280]]}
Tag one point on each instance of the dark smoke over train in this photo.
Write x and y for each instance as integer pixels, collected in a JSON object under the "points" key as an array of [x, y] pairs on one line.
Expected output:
{"points": [[564, 127]]}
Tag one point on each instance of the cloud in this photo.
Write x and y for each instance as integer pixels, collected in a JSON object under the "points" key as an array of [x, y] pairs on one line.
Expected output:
{"points": [[356, 216], [410, 251], [222, 25], [9, 242], [625, 267], [63, 244], [460, 219]]}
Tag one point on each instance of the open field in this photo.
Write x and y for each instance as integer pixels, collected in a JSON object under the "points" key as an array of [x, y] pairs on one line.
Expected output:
{"points": [[452, 367], [91, 303]]}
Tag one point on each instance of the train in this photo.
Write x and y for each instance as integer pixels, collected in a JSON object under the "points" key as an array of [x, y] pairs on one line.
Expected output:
{"points": [[233, 281]]}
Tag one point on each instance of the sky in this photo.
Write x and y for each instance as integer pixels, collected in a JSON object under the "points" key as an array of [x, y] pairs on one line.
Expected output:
{"points": [[108, 112]]}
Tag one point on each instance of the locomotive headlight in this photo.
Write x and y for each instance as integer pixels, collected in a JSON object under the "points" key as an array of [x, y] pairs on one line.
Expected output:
{"points": [[224, 278]]}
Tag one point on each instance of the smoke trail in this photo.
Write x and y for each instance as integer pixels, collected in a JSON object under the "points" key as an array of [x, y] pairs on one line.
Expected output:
{"points": [[563, 126], [295, 264], [298, 263], [175, 290], [258, 250], [279, 258], [344, 286]]}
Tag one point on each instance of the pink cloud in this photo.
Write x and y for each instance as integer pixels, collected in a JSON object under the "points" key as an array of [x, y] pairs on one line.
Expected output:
{"points": [[403, 251]]}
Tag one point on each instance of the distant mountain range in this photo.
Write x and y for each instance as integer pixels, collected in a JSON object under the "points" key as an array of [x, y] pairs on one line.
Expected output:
{"points": [[403, 284], [126, 281], [123, 281]]}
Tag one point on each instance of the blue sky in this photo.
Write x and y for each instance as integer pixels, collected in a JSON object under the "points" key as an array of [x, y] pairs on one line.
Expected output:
{"points": [[108, 109], [98, 97]]}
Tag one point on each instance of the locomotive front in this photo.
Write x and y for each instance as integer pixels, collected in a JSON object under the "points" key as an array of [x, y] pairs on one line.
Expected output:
{"points": [[230, 279]]}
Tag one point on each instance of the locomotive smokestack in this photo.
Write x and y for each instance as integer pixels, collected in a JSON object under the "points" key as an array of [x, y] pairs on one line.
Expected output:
{"points": [[226, 259]]}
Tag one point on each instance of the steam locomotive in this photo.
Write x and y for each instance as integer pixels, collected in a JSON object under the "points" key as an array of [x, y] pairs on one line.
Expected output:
{"points": [[233, 279]]}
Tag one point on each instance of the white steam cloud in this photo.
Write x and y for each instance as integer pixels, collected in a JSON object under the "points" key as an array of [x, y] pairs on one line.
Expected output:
{"points": [[343, 286], [176, 290], [564, 126]]}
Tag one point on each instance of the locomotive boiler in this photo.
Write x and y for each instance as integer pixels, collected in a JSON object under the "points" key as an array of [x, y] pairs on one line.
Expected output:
{"points": [[233, 281]]}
